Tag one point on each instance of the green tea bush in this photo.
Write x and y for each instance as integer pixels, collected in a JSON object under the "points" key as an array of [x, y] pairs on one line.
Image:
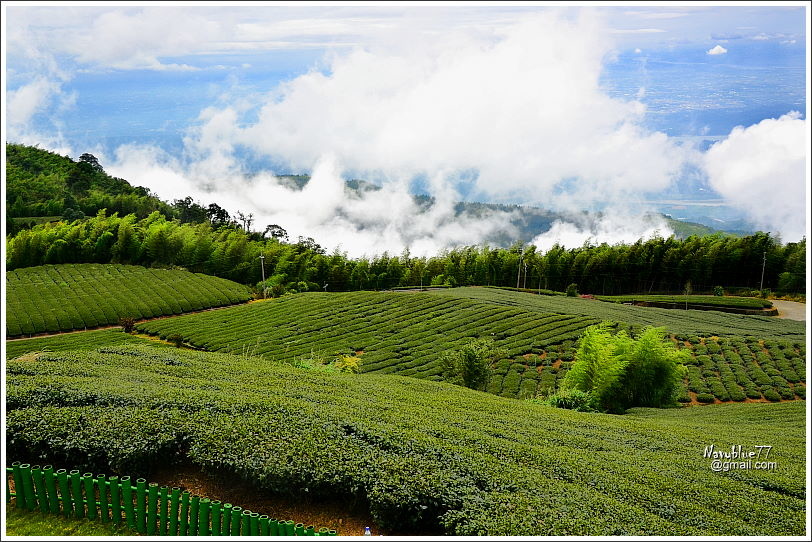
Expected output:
{"points": [[753, 392], [786, 393], [51, 298], [770, 394], [407, 333], [423, 457]]}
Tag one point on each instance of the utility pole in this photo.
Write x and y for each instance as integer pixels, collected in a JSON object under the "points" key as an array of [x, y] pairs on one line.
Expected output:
{"points": [[763, 265], [524, 284], [539, 281], [688, 291], [519, 272], [264, 289]]}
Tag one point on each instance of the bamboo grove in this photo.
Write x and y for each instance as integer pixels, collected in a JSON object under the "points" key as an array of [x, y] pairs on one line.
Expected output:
{"points": [[657, 265]]}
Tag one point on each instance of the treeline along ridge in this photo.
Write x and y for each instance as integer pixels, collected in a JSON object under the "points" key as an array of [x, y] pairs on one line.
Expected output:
{"points": [[130, 226]]}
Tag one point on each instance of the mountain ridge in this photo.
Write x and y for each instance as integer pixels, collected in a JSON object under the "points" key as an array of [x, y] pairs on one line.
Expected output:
{"points": [[45, 186]]}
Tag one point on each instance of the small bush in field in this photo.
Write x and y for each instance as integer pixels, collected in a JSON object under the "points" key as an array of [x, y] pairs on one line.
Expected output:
{"points": [[718, 291], [622, 372], [127, 324]]}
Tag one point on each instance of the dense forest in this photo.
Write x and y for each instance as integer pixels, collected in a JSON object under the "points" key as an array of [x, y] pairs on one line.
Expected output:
{"points": [[44, 184], [227, 250], [92, 217]]}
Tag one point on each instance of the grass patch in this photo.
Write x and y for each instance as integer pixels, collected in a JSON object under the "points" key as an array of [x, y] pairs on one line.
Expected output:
{"points": [[35, 523]]}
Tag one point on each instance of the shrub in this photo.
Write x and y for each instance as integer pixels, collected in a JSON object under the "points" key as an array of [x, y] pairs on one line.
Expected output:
{"points": [[471, 365], [718, 291], [752, 393], [682, 394], [176, 339], [786, 393], [771, 395], [621, 372], [572, 290], [127, 324], [438, 280], [571, 399], [277, 290], [704, 397], [348, 364]]}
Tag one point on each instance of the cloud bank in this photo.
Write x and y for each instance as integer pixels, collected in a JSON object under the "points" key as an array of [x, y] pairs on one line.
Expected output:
{"points": [[762, 169], [366, 223], [516, 106], [611, 229], [522, 108]]}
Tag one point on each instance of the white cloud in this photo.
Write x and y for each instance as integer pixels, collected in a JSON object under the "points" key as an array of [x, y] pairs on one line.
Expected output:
{"points": [[360, 224], [762, 169], [658, 14], [144, 37], [610, 229], [137, 39], [522, 107], [40, 98], [718, 50], [637, 30], [23, 103]]}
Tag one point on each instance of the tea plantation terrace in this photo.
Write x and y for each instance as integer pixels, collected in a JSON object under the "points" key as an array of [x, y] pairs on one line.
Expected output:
{"points": [[425, 456]]}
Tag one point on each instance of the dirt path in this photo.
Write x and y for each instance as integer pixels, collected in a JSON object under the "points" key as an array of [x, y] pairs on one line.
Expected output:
{"points": [[333, 514], [791, 310]]}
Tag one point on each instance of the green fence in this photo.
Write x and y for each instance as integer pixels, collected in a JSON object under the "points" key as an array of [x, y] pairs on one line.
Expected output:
{"points": [[145, 508]]}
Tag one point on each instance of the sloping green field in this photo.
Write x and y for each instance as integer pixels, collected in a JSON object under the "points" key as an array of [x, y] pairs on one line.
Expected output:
{"points": [[86, 340], [426, 457], [406, 333], [52, 298], [679, 322], [393, 332]]}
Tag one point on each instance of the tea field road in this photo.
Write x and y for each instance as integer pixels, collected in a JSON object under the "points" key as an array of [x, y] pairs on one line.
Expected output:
{"points": [[790, 309]]}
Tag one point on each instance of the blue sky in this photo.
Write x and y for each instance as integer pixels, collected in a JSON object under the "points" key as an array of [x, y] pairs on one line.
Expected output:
{"points": [[566, 107]]}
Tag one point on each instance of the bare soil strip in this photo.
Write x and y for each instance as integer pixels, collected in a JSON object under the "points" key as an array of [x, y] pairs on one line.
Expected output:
{"points": [[333, 514]]}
